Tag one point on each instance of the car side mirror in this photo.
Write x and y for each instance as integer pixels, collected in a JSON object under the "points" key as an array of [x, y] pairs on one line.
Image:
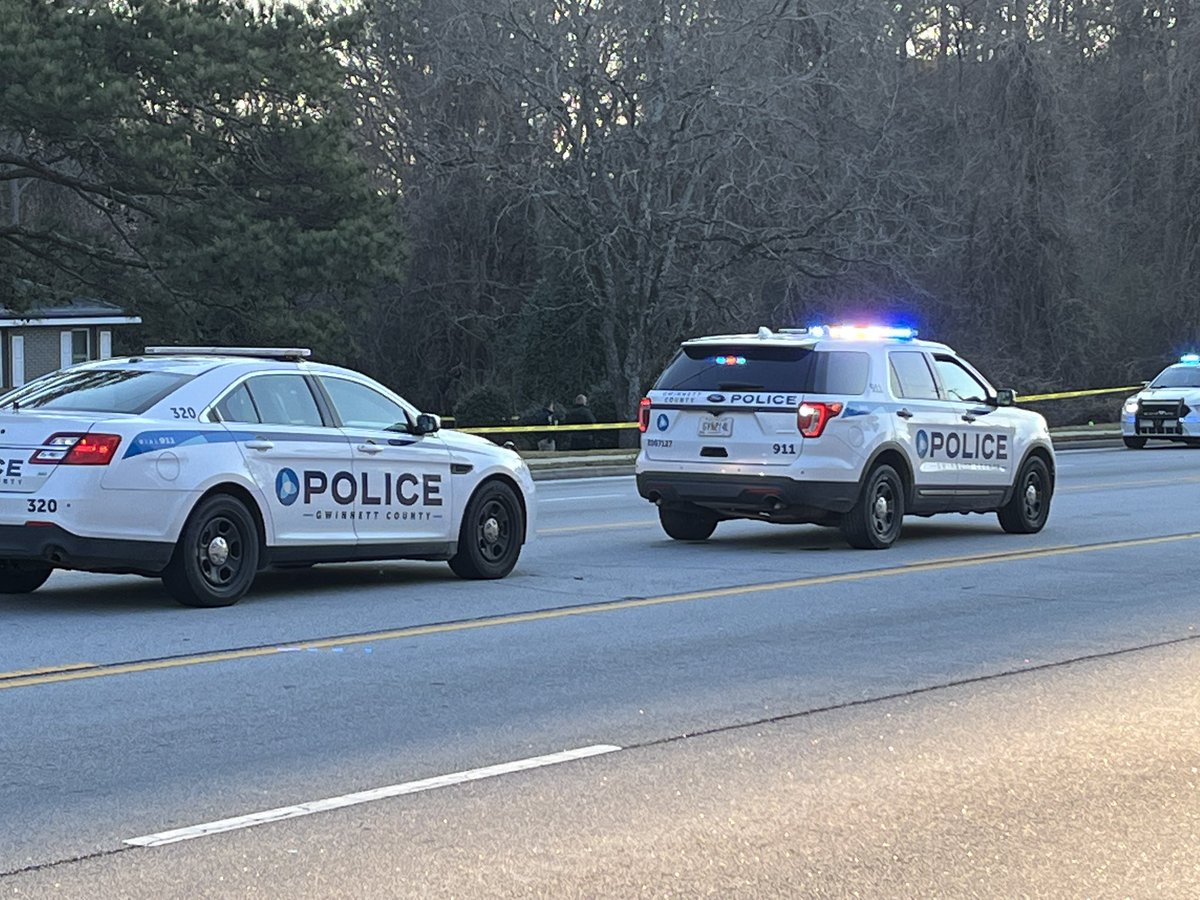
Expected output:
{"points": [[1145, 384], [427, 423], [1006, 397]]}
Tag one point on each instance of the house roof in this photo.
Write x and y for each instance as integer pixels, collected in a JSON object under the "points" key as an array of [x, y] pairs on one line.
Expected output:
{"points": [[77, 311]]}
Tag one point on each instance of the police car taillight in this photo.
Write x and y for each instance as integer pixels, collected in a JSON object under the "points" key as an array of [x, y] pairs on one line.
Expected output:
{"points": [[644, 414], [812, 417], [67, 449]]}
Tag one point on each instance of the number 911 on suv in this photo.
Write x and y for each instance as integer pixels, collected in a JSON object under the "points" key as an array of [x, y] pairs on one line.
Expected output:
{"points": [[848, 426], [205, 465]]}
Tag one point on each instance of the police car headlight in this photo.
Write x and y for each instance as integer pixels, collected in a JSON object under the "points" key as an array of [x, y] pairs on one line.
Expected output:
{"points": [[1131, 405]]}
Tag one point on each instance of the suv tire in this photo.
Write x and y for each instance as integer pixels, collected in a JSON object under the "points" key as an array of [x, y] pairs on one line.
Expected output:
{"points": [[1134, 443], [216, 558], [873, 523], [687, 525], [1029, 506]]}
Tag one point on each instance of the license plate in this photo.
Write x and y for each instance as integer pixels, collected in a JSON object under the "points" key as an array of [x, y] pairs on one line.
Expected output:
{"points": [[716, 426]]}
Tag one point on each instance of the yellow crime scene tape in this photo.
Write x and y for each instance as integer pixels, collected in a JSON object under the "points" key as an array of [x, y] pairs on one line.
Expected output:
{"points": [[608, 426], [1067, 395]]}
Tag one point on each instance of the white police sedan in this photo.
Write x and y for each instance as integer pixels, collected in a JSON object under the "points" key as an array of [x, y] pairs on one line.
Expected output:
{"points": [[1167, 408], [204, 465]]}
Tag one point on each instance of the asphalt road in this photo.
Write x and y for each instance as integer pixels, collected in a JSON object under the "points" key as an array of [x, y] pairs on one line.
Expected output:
{"points": [[968, 714]]}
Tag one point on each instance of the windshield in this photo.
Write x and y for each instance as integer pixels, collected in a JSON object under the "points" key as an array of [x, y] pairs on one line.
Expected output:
{"points": [[95, 390], [742, 367], [1178, 376]]}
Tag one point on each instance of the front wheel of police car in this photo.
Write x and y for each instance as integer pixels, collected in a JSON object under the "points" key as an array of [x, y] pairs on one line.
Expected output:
{"points": [[489, 539], [18, 576], [1134, 443], [1029, 507], [873, 523], [217, 555]]}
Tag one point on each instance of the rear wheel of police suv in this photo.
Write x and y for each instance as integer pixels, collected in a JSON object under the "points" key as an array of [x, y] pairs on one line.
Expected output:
{"points": [[873, 523], [216, 558], [489, 539], [1134, 443], [687, 524], [1028, 508], [20, 576]]}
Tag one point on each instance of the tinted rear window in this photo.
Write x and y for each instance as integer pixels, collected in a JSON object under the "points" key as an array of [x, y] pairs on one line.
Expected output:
{"points": [[769, 368], [96, 390]]}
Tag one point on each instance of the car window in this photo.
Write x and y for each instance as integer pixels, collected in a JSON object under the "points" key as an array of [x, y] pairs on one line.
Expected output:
{"points": [[1177, 376], [958, 382], [843, 372], [911, 377], [284, 400], [710, 367], [359, 406], [96, 390], [238, 407]]}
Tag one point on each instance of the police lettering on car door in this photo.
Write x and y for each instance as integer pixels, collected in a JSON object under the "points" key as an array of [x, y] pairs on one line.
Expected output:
{"points": [[396, 497]]}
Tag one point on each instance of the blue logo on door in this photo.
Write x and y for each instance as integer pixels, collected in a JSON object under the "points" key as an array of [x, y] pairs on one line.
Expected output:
{"points": [[922, 443], [287, 487], [662, 422]]}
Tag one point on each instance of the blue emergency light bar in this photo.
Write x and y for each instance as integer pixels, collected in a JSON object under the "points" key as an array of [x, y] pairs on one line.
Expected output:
{"points": [[863, 332], [1190, 359]]}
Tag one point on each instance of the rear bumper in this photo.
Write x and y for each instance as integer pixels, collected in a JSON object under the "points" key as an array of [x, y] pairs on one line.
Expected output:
{"points": [[62, 549], [745, 495]]}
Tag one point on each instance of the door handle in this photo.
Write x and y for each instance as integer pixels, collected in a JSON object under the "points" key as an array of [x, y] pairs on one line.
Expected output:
{"points": [[904, 414], [967, 417], [260, 444], [369, 448]]}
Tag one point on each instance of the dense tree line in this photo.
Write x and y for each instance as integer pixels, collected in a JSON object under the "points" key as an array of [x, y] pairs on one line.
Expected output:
{"points": [[543, 196]]}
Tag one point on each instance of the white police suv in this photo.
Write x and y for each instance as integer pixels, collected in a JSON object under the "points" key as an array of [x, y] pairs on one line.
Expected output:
{"points": [[849, 426], [1167, 408], [203, 465]]}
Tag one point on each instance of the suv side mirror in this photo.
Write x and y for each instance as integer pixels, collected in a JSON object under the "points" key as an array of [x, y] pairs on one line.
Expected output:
{"points": [[1006, 397], [427, 423]]}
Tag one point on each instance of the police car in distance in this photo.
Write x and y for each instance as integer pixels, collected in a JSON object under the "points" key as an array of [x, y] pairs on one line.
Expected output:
{"points": [[848, 426], [1167, 408], [203, 465]]}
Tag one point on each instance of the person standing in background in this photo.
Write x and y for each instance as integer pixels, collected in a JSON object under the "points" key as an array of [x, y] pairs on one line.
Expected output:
{"points": [[580, 414]]}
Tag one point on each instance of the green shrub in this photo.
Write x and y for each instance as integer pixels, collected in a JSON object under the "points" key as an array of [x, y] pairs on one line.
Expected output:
{"points": [[482, 405]]}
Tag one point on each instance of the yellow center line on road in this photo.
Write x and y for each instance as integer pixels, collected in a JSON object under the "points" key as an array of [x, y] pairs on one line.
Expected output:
{"points": [[43, 670], [72, 673]]}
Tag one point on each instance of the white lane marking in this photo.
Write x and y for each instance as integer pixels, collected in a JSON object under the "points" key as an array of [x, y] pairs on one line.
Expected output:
{"points": [[577, 499], [395, 790]]}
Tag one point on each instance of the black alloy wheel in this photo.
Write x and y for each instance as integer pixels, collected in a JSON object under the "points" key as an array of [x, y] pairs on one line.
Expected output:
{"points": [[1029, 507], [874, 522], [490, 537], [216, 558]]}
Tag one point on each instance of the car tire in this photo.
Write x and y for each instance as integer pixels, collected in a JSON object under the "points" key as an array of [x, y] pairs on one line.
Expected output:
{"points": [[687, 525], [489, 539], [1134, 443], [20, 576], [874, 522], [1029, 507], [216, 558]]}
